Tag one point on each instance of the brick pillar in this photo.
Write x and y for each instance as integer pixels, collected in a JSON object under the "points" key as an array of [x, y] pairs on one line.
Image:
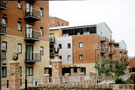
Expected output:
{"points": [[72, 71], [57, 70], [46, 80], [14, 79], [78, 71]]}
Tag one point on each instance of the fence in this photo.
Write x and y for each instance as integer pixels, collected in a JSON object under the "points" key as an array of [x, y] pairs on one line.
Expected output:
{"points": [[71, 80]]}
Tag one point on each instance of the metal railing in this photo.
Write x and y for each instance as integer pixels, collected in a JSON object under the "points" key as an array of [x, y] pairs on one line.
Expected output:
{"points": [[32, 35], [52, 39], [32, 13], [51, 50], [33, 57], [103, 39], [104, 50], [3, 29], [112, 51]]}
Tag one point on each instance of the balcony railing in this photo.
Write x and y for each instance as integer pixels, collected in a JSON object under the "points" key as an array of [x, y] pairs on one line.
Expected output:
{"points": [[111, 52], [3, 5], [103, 50], [32, 35], [51, 51], [111, 41], [52, 39], [103, 39], [3, 55], [32, 14], [33, 57], [3, 29]]}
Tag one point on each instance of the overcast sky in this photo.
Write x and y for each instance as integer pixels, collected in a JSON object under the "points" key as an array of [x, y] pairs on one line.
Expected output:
{"points": [[118, 14]]}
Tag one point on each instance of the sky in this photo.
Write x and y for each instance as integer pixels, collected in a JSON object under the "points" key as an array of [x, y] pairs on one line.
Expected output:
{"points": [[118, 14]]}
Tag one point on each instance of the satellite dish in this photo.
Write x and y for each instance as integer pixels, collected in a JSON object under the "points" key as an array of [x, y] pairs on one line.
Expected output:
{"points": [[15, 56]]}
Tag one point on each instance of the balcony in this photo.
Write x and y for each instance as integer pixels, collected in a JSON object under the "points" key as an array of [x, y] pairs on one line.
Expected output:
{"points": [[3, 56], [32, 58], [3, 29], [111, 52], [32, 15], [111, 42], [32, 35], [3, 5], [103, 39], [52, 51], [103, 50], [52, 39]]}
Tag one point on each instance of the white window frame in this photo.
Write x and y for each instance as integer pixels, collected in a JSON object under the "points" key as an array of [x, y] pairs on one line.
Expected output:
{"points": [[19, 48], [80, 45], [80, 57]]}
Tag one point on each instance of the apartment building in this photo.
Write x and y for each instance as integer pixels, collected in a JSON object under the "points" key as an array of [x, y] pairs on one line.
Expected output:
{"points": [[24, 30], [132, 65], [57, 22], [82, 46]]}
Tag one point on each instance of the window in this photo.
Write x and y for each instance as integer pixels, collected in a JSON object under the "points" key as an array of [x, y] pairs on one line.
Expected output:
{"points": [[19, 48], [69, 57], [20, 71], [69, 45], [81, 57], [4, 46], [80, 44], [60, 57], [19, 26], [4, 71], [60, 46], [41, 31], [29, 71], [19, 4], [41, 11], [41, 50], [4, 22]]}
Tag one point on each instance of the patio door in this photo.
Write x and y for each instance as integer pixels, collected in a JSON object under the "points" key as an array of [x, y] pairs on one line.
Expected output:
{"points": [[29, 9], [29, 52], [29, 30]]}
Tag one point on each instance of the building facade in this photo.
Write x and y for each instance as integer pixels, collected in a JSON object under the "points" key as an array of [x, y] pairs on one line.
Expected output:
{"points": [[57, 22], [89, 44], [24, 30]]}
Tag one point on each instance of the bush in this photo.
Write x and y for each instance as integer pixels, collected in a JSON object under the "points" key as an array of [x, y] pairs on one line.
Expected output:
{"points": [[119, 80]]}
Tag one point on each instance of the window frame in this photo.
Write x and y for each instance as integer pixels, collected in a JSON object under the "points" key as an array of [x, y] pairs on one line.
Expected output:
{"points": [[41, 11], [68, 45], [5, 68], [19, 22], [41, 50], [29, 71], [19, 2], [80, 57], [68, 57], [5, 46], [42, 30], [80, 43], [21, 48]]}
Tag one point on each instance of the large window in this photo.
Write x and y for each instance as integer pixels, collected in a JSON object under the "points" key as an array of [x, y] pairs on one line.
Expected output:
{"points": [[29, 71], [81, 57], [41, 11], [41, 50], [4, 72], [81, 45], [19, 4], [19, 26], [19, 48], [4, 46]]}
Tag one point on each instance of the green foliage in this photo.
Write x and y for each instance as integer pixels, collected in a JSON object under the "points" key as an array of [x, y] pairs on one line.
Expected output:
{"points": [[110, 68], [119, 80]]}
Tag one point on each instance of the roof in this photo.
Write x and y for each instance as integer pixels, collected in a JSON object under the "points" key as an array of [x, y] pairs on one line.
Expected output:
{"points": [[79, 26]]}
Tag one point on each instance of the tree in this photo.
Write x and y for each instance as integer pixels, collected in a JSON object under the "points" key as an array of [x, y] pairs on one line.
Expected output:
{"points": [[110, 68]]}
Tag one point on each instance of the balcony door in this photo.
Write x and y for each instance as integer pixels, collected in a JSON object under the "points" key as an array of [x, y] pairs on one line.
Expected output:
{"points": [[29, 52], [29, 30], [29, 8]]}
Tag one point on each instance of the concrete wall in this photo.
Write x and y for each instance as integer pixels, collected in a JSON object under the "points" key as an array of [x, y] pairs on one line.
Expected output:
{"points": [[64, 52]]}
